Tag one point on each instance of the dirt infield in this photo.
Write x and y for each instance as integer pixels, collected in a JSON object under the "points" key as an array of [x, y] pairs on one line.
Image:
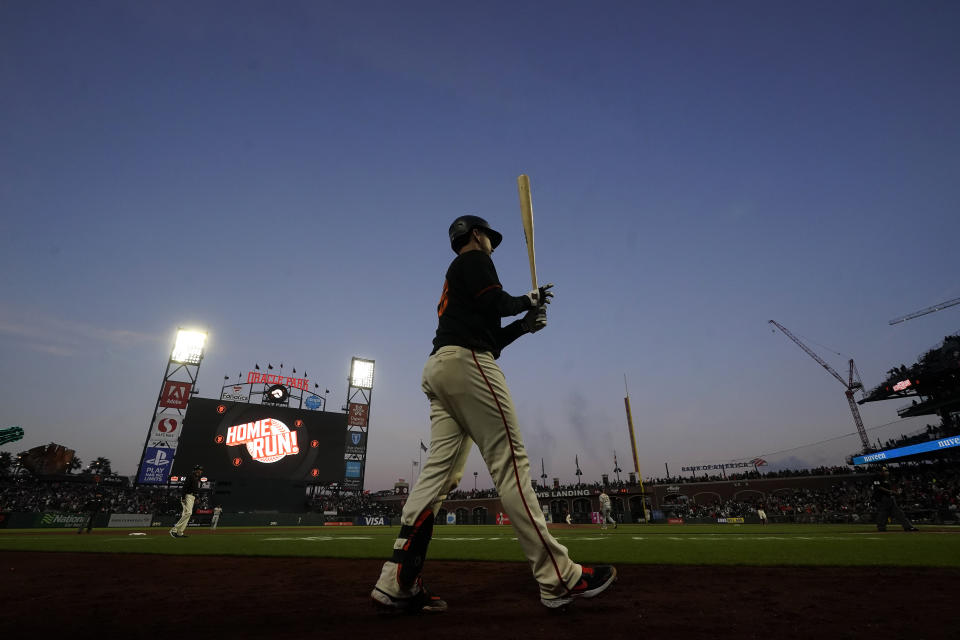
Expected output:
{"points": [[112, 596]]}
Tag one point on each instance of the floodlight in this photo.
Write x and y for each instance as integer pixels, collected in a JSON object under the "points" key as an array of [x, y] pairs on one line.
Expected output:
{"points": [[361, 373], [189, 347]]}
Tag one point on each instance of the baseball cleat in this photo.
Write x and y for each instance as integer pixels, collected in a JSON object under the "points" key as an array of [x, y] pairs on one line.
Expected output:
{"points": [[173, 534], [593, 582], [421, 602]]}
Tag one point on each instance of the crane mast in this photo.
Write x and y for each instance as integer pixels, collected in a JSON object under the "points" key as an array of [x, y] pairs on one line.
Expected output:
{"points": [[850, 385]]}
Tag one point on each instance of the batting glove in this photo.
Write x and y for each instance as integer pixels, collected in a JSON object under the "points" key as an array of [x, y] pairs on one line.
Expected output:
{"points": [[540, 297], [535, 319]]}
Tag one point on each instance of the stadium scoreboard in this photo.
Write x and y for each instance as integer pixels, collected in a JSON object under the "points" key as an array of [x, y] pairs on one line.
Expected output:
{"points": [[234, 440]]}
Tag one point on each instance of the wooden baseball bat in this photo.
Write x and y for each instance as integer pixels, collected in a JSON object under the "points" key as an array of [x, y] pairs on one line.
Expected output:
{"points": [[526, 214]]}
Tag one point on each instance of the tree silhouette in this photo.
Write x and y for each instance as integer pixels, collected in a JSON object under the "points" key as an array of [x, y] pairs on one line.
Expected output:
{"points": [[100, 466]]}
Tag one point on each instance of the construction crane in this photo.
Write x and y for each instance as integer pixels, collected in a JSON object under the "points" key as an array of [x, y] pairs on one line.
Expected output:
{"points": [[923, 312], [851, 384]]}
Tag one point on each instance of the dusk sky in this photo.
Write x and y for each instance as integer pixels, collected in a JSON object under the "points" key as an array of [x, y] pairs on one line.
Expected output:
{"points": [[282, 174]]}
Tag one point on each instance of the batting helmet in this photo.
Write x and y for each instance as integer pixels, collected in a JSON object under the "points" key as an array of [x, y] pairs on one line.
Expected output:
{"points": [[461, 228]]}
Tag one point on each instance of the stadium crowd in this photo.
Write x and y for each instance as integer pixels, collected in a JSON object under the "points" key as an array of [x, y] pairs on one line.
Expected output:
{"points": [[31, 494], [931, 492], [352, 505]]}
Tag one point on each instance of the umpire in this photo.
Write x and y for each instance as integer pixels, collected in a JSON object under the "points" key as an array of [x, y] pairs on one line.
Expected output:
{"points": [[883, 496], [191, 487]]}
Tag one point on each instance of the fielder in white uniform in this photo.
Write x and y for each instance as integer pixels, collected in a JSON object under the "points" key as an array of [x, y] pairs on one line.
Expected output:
{"points": [[606, 511], [470, 403]]}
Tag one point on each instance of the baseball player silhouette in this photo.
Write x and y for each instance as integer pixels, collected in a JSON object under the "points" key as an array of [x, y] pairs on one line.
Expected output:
{"points": [[470, 403], [605, 511]]}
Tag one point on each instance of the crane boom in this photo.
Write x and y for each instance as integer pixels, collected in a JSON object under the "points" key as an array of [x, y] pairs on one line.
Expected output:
{"points": [[849, 387], [810, 353], [923, 312]]}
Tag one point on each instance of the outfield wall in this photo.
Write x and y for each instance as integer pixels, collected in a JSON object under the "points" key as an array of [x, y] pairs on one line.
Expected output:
{"points": [[58, 520]]}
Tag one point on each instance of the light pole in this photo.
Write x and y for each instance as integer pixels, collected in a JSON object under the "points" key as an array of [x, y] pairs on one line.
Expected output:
{"points": [[474, 481]]}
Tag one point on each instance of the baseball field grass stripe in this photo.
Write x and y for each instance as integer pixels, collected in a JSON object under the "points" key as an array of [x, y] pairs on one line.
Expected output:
{"points": [[773, 545]]}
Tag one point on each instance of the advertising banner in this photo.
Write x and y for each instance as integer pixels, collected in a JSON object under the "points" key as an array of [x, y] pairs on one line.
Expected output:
{"points": [[175, 395], [352, 474], [353, 469], [61, 520], [130, 520], [358, 414], [356, 443], [371, 521], [156, 465], [236, 393], [165, 430]]}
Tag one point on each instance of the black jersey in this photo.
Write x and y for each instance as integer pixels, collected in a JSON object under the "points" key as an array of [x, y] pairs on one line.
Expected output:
{"points": [[471, 305], [882, 489], [191, 484]]}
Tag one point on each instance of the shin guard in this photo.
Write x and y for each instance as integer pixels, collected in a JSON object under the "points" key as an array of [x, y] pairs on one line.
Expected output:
{"points": [[410, 549]]}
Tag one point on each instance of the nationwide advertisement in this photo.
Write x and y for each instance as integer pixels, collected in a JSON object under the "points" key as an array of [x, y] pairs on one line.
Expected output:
{"points": [[61, 520], [156, 465]]}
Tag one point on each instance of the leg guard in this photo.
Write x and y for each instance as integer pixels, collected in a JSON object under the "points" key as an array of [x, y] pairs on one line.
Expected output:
{"points": [[410, 550]]}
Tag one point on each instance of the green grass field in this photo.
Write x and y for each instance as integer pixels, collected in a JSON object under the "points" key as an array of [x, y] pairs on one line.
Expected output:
{"points": [[772, 545]]}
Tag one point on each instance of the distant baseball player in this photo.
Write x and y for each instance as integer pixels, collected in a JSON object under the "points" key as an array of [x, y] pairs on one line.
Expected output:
{"points": [[92, 508], [762, 514], [470, 403], [883, 495], [567, 518], [191, 487], [216, 517], [605, 511]]}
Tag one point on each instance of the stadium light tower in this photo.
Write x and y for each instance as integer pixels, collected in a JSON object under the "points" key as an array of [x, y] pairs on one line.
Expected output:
{"points": [[359, 395], [188, 348], [179, 384], [361, 373]]}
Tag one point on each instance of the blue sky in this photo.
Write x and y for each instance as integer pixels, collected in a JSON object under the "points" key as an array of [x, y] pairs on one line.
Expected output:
{"points": [[283, 174]]}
